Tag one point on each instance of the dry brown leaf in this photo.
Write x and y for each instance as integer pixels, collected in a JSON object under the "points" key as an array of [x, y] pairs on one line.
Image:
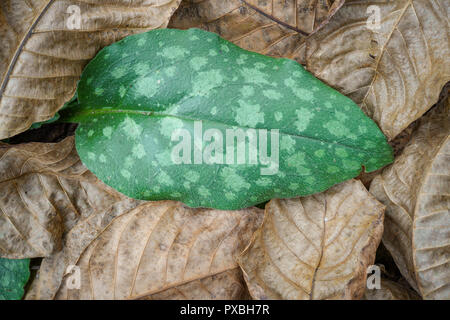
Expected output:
{"points": [[157, 250], [415, 190], [395, 73], [303, 16], [271, 27], [44, 191], [391, 291], [42, 55], [316, 247]]}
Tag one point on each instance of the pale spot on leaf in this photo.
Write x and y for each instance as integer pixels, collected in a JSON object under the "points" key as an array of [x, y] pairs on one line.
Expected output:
{"points": [[272, 94], [304, 116], [207, 80], [172, 53], [197, 63], [204, 192], [107, 131], [131, 128], [168, 126], [99, 91], [139, 151], [164, 179], [278, 116], [125, 173], [249, 114], [287, 143], [233, 181]]}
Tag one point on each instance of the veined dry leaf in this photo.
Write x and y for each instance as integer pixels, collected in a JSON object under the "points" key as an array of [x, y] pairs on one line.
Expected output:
{"points": [[271, 27], [158, 250], [391, 290], [44, 49], [53, 268], [316, 247], [44, 191], [415, 190], [395, 72], [303, 16]]}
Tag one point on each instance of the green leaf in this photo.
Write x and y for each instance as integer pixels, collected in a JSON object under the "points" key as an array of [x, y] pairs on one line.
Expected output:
{"points": [[14, 275], [136, 92]]}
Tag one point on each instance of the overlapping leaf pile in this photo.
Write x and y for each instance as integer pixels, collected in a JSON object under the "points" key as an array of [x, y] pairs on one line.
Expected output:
{"points": [[97, 243], [44, 49], [321, 137]]}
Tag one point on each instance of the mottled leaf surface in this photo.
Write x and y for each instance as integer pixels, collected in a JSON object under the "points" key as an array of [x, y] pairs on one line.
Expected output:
{"points": [[44, 191], [316, 247], [14, 275], [137, 92], [44, 49], [390, 57], [415, 190], [157, 250]]}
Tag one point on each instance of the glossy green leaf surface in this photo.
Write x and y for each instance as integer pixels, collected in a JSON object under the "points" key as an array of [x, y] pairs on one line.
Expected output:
{"points": [[144, 99], [14, 275]]}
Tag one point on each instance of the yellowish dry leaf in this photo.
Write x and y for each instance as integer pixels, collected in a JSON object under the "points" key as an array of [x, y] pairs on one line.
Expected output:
{"points": [[415, 190], [391, 291], [44, 49], [395, 69], [44, 191], [275, 28], [157, 250], [316, 247]]}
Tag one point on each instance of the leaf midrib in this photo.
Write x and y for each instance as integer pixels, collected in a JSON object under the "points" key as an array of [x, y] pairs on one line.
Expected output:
{"points": [[21, 45], [155, 113], [383, 49]]}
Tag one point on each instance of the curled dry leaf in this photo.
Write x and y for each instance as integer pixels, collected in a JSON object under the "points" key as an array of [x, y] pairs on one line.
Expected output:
{"points": [[395, 69], [44, 49], [415, 190], [44, 191], [158, 250], [316, 247], [390, 291], [267, 27]]}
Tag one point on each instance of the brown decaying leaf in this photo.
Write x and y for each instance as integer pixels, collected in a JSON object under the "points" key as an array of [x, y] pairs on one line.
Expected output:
{"points": [[44, 191], [42, 56], [396, 72], [158, 250], [275, 28], [415, 190], [390, 291], [316, 247], [303, 16]]}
